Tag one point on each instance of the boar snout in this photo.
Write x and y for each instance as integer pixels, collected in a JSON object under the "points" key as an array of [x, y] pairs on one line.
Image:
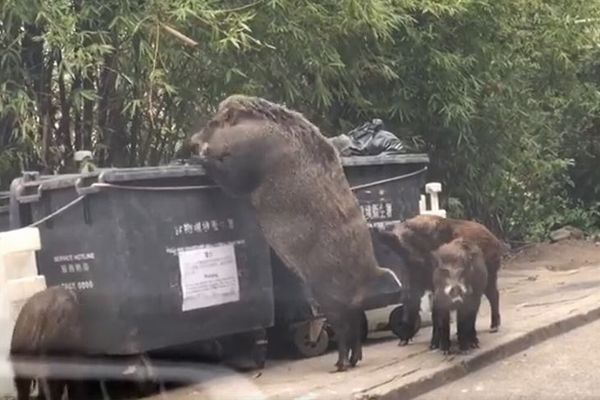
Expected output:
{"points": [[455, 292], [203, 150]]}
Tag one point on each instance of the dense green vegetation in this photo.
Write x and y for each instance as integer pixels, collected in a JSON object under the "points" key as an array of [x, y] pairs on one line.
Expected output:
{"points": [[504, 95]]}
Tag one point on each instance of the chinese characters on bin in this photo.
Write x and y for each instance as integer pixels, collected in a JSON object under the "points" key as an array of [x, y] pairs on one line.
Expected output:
{"points": [[204, 227], [379, 210]]}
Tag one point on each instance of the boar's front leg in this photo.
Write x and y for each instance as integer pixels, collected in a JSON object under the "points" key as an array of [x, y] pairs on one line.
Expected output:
{"points": [[474, 311], [442, 320], [467, 320], [463, 317], [412, 307], [435, 331]]}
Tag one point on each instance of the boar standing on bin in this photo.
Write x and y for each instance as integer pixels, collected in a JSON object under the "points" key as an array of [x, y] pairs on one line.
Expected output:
{"points": [[295, 183]]}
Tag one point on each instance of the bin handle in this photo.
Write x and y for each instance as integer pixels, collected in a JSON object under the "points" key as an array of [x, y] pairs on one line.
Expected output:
{"points": [[395, 178], [29, 198], [82, 190], [57, 212]]}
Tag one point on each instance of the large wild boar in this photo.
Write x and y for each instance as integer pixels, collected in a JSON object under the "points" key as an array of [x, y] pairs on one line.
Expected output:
{"points": [[416, 238], [459, 280], [294, 181]]}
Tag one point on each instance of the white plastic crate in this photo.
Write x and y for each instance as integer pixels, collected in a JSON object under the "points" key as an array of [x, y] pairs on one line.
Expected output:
{"points": [[20, 240], [19, 280], [18, 291]]}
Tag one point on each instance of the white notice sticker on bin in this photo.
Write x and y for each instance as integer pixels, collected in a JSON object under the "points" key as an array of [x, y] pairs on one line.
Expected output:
{"points": [[208, 277]]}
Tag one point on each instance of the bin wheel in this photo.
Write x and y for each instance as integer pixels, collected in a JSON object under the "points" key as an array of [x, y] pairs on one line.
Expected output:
{"points": [[259, 350], [259, 356], [418, 323], [305, 347], [142, 375], [396, 320], [397, 324]]}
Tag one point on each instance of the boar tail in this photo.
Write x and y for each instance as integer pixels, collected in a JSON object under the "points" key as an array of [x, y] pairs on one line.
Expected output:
{"points": [[384, 289]]}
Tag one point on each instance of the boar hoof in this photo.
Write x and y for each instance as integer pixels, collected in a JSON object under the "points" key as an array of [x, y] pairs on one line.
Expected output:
{"points": [[445, 348], [403, 342], [355, 358], [341, 366], [406, 334], [495, 325]]}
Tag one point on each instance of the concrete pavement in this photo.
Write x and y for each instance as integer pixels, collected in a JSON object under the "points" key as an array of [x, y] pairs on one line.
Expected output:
{"points": [[536, 304], [564, 367]]}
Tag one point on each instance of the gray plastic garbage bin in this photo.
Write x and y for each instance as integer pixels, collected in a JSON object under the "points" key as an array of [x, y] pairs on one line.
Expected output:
{"points": [[171, 258]]}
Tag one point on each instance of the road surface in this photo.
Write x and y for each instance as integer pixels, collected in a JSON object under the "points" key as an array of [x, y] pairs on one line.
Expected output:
{"points": [[566, 367]]}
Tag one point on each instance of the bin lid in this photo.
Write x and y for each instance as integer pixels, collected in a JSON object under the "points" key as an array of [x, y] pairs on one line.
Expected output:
{"points": [[385, 159], [31, 189], [113, 175], [141, 173], [47, 181]]}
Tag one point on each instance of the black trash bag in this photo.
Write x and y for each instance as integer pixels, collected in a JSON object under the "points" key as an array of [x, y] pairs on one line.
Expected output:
{"points": [[369, 139]]}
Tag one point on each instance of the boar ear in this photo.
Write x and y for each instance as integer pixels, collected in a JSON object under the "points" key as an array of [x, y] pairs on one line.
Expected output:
{"points": [[418, 224], [444, 230], [232, 116], [471, 249], [434, 259]]}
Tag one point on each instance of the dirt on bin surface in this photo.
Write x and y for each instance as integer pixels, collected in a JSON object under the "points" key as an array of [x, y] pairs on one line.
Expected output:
{"points": [[540, 285]]}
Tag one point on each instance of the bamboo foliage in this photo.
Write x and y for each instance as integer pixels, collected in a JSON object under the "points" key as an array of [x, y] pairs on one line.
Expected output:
{"points": [[502, 94]]}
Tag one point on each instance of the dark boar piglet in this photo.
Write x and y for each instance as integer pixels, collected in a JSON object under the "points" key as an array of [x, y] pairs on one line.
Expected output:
{"points": [[413, 289], [459, 280], [48, 325], [293, 178], [393, 248]]}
